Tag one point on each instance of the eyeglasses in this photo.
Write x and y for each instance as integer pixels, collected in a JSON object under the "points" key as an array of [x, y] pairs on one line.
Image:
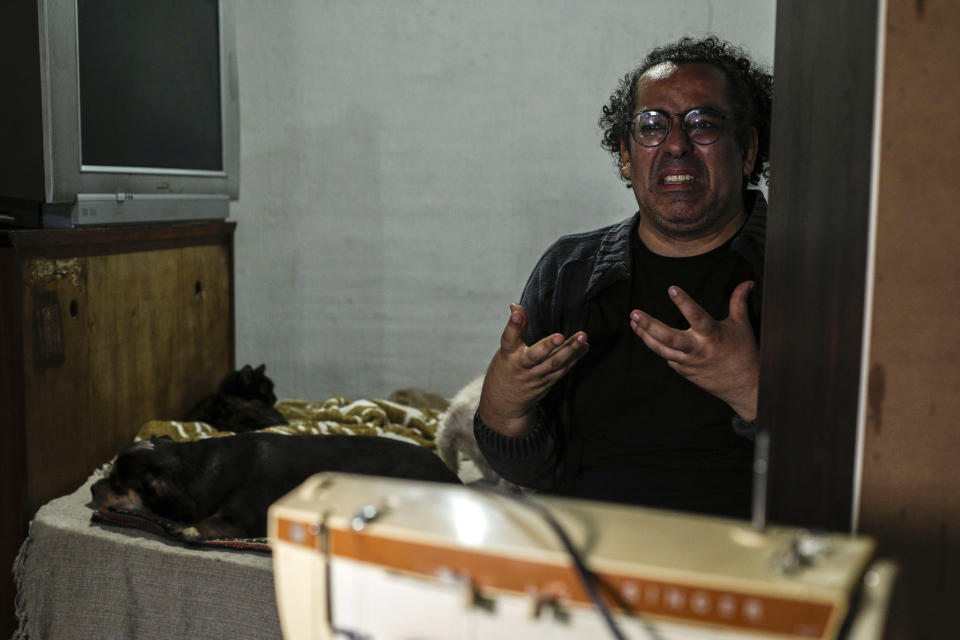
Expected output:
{"points": [[702, 125]]}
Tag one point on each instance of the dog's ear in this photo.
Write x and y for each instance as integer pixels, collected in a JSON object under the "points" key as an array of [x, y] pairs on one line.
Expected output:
{"points": [[161, 469], [157, 484]]}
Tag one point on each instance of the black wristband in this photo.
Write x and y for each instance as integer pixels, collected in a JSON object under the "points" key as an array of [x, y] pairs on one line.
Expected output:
{"points": [[744, 428]]}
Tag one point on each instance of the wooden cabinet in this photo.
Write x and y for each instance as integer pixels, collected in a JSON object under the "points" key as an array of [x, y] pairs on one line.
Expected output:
{"points": [[101, 330]]}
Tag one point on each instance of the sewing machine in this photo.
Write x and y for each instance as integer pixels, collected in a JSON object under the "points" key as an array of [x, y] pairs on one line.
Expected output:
{"points": [[364, 557]]}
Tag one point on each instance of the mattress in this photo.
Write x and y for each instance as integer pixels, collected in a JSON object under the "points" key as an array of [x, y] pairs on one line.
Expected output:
{"points": [[81, 579]]}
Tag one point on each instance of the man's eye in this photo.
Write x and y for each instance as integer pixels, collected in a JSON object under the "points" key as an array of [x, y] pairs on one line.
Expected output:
{"points": [[650, 124]]}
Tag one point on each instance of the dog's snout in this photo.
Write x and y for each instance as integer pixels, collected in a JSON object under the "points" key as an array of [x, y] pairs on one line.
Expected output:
{"points": [[97, 489], [96, 493]]}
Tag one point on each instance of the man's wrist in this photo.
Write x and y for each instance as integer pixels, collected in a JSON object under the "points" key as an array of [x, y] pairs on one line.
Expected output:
{"points": [[744, 404], [510, 426], [532, 426]]}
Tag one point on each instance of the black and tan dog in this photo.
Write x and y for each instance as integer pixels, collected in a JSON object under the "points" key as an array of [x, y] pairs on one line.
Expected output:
{"points": [[222, 487]]}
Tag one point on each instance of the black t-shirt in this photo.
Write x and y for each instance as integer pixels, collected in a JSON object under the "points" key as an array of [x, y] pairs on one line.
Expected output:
{"points": [[649, 436]]}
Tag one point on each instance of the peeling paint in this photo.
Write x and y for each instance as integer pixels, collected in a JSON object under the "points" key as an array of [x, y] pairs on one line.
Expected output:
{"points": [[45, 270]]}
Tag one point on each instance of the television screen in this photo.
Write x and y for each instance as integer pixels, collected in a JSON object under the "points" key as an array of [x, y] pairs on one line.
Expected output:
{"points": [[149, 75]]}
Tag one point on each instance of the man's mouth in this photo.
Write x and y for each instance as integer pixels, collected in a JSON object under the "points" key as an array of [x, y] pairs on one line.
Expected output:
{"points": [[678, 178]]}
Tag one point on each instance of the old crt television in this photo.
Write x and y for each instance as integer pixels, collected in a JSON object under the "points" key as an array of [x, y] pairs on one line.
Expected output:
{"points": [[117, 111]]}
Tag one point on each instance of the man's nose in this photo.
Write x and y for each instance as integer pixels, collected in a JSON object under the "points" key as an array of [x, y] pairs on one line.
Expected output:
{"points": [[677, 142]]}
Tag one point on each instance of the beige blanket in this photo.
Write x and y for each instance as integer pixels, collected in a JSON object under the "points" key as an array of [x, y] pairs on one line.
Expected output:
{"points": [[333, 416]]}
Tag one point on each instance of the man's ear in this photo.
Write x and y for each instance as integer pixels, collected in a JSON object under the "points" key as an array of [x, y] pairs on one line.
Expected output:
{"points": [[624, 160], [750, 147]]}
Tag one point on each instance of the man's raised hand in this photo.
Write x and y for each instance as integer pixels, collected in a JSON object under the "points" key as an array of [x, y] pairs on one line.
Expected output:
{"points": [[519, 375], [721, 356]]}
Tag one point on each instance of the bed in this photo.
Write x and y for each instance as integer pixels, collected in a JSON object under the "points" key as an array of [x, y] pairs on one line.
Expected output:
{"points": [[88, 577], [84, 574]]}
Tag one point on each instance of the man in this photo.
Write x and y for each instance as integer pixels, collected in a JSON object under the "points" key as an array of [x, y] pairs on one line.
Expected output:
{"points": [[629, 371]]}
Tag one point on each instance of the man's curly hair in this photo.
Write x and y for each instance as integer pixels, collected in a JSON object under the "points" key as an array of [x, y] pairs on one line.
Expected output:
{"points": [[752, 88]]}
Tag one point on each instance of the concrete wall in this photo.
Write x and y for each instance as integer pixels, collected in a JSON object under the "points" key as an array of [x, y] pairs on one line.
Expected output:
{"points": [[405, 163]]}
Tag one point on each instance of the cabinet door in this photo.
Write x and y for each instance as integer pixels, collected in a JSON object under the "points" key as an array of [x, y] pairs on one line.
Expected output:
{"points": [[117, 339]]}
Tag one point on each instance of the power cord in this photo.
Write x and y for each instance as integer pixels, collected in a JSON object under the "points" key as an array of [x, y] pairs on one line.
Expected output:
{"points": [[587, 578]]}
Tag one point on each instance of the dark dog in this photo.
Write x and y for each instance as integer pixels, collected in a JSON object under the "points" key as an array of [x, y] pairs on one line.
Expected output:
{"points": [[221, 487]]}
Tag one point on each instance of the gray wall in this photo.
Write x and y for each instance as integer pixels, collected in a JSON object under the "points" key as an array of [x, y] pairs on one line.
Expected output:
{"points": [[405, 163]]}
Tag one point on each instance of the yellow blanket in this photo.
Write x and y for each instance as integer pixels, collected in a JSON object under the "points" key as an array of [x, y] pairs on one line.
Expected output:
{"points": [[333, 416]]}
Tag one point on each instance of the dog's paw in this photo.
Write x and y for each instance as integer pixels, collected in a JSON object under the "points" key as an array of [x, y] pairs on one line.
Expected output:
{"points": [[191, 534]]}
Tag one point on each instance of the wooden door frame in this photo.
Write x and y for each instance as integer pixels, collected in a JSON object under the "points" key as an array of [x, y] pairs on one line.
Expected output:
{"points": [[816, 257]]}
